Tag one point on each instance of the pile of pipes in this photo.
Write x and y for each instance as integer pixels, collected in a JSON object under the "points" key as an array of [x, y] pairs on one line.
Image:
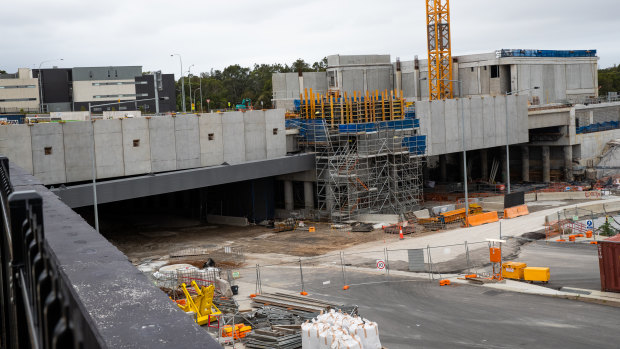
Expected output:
{"points": [[278, 337], [340, 330]]}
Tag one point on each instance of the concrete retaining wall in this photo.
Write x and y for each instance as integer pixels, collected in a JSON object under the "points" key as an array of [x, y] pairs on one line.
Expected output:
{"points": [[163, 144], [485, 122], [211, 140], [125, 147], [233, 133], [78, 143], [570, 195]]}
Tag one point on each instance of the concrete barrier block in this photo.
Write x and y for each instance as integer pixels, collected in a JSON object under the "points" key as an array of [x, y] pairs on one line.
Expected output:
{"points": [[16, 144], [163, 144], [109, 148], [275, 133], [211, 139], [187, 138], [136, 146], [78, 143], [233, 133], [254, 135], [48, 153]]}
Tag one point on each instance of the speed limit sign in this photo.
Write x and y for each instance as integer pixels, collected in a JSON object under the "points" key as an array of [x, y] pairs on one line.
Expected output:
{"points": [[380, 264]]}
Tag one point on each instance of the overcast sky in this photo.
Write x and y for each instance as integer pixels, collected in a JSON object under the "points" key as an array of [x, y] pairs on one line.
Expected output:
{"points": [[215, 34]]}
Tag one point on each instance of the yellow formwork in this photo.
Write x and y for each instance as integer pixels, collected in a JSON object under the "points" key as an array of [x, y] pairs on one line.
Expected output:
{"points": [[536, 274], [513, 270]]}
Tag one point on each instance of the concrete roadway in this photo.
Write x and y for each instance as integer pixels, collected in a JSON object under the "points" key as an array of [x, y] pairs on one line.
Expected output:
{"points": [[421, 314], [571, 265], [509, 227]]}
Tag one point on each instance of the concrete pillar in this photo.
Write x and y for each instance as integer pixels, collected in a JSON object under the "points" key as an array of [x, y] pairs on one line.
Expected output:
{"points": [[309, 195], [288, 195], [484, 164], [525, 163], [443, 171], [460, 160], [568, 163], [503, 166], [203, 205], [546, 160]]}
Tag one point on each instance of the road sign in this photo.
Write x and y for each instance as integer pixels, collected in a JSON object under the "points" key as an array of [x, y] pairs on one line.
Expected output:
{"points": [[590, 224], [380, 264]]}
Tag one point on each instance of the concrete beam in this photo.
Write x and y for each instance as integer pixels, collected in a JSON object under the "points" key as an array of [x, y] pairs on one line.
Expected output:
{"points": [[161, 183]]}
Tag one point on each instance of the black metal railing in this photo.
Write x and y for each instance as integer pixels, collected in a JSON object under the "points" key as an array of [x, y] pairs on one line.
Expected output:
{"points": [[37, 303]]}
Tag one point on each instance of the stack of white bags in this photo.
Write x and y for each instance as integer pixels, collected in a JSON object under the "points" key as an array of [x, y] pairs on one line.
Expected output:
{"points": [[335, 330]]}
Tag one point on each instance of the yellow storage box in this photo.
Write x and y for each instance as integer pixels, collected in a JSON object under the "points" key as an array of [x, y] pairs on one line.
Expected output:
{"points": [[513, 270], [536, 274]]}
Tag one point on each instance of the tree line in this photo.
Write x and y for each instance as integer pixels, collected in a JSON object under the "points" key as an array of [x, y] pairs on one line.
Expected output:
{"points": [[609, 80], [236, 83]]}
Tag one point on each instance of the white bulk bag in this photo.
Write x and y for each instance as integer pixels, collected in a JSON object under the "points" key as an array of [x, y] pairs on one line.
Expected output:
{"points": [[347, 342]]}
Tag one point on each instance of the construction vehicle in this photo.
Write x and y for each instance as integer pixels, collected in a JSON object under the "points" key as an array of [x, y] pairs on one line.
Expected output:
{"points": [[201, 304], [246, 104], [451, 216]]}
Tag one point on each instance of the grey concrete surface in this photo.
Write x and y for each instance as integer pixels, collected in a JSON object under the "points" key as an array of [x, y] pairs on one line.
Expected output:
{"points": [[135, 146], [570, 265], [417, 313]]}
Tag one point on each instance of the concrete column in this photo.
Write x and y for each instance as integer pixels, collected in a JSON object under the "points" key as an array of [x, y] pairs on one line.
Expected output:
{"points": [[525, 163], [288, 195], [308, 195], [203, 205], [443, 171], [503, 166], [568, 163], [546, 160], [460, 160], [484, 163]]}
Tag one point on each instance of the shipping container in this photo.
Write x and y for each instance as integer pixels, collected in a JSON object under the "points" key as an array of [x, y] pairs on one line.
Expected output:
{"points": [[609, 263]]}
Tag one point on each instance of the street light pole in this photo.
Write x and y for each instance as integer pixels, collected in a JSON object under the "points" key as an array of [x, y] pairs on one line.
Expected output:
{"points": [[189, 78], [94, 170], [41, 82], [507, 143], [182, 81]]}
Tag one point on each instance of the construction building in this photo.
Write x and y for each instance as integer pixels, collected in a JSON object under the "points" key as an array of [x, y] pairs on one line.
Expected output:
{"points": [[543, 104], [73, 89]]}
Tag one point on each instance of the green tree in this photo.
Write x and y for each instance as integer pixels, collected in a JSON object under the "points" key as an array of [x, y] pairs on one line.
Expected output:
{"points": [[609, 80]]}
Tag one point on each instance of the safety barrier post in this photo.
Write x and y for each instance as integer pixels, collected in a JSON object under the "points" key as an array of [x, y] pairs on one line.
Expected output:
{"points": [[344, 275], [301, 274]]}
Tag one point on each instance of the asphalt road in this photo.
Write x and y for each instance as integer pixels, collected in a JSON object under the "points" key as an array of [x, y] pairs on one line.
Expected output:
{"points": [[421, 314], [570, 265]]}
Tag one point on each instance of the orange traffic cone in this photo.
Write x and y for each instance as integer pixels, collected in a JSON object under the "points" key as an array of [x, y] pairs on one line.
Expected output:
{"points": [[400, 233]]}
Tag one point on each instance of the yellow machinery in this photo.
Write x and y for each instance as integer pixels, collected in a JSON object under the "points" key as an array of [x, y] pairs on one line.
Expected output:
{"points": [[201, 304], [451, 216], [532, 274], [520, 271], [439, 49], [513, 270]]}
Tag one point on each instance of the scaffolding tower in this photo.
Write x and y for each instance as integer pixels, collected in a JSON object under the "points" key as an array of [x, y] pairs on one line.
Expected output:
{"points": [[365, 167]]}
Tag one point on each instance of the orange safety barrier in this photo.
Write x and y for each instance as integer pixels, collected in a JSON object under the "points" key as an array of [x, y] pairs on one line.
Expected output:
{"points": [[444, 282], [593, 242], [589, 233], [482, 218], [516, 211], [470, 276], [560, 240], [571, 238]]}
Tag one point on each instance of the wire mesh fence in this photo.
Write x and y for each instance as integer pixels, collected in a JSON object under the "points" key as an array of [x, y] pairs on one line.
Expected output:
{"points": [[349, 269]]}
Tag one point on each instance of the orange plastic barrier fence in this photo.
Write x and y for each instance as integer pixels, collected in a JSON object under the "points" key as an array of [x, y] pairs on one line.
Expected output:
{"points": [[444, 282], [516, 211], [589, 233], [482, 218], [571, 238]]}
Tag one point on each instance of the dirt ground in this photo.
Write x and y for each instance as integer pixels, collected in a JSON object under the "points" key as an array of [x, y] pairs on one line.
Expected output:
{"points": [[144, 237], [156, 240]]}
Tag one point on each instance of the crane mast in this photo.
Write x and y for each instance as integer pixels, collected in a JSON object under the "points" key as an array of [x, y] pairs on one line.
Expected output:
{"points": [[439, 51]]}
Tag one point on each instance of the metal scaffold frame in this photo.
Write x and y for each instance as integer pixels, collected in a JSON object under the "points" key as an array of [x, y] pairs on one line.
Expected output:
{"points": [[367, 168]]}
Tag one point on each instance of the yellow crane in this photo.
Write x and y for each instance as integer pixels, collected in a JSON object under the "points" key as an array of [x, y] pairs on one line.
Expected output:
{"points": [[439, 49]]}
